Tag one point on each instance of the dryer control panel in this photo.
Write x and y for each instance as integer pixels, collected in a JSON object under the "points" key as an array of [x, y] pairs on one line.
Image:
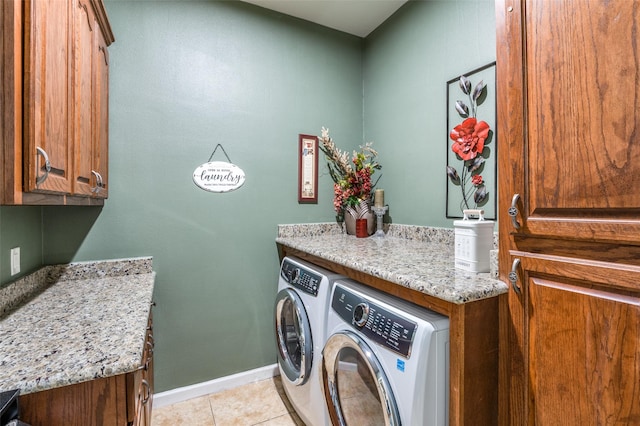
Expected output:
{"points": [[300, 278], [380, 325]]}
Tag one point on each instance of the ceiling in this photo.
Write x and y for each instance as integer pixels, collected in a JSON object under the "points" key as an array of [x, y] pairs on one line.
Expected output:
{"points": [[357, 17]]}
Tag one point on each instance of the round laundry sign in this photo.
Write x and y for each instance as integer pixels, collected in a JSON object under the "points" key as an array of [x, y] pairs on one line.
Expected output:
{"points": [[218, 176]]}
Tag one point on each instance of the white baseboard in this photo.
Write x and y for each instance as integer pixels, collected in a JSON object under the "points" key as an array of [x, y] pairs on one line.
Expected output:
{"points": [[212, 386]]}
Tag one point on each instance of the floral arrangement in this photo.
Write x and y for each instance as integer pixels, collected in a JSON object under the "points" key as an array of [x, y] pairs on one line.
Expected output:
{"points": [[469, 140], [351, 177]]}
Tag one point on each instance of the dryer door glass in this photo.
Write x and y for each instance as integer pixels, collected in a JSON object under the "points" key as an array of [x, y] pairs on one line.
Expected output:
{"points": [[355, 384], [293, 337]]}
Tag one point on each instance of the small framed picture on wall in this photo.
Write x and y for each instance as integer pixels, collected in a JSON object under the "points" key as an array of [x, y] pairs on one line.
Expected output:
{"points": [[307, 169]]}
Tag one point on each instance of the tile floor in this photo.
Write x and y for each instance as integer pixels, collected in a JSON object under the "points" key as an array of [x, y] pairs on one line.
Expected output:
{"points": [[262, 403]]}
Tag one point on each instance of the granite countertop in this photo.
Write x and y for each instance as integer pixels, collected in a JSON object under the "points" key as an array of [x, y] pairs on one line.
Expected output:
{"points": [[74, 323], [417, 257]]}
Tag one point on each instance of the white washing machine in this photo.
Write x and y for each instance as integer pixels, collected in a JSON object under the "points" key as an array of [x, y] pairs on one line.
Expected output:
{"points": [[300, 325], [385, 361]]}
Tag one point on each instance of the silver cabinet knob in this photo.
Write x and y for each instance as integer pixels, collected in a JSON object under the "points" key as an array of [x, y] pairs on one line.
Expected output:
{"points": [[47, 165], [513, 276], [513, 211]]}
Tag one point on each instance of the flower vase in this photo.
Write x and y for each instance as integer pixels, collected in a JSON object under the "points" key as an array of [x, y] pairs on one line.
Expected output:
{"points": [[361, 211]]}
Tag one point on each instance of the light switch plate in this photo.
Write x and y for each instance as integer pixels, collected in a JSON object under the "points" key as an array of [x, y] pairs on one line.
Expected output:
{"points": [[15, 260]]}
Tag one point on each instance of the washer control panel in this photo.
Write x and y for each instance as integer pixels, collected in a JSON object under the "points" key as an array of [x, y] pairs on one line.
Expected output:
{"points": [[300, 278], [385, 328]]}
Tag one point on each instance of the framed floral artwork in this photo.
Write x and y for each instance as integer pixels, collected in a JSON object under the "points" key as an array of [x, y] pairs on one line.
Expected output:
{"points": [[307, 169], [471, 143]]}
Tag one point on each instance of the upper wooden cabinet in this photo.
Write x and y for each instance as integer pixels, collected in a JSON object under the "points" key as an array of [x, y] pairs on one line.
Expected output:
{"points": [[59, 155], [569, 200], [572, 93]]}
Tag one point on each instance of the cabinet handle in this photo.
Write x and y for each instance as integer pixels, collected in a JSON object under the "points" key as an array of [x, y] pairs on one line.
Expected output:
{"points": [[513, 211], [47, 165], [103, 184], [513, 276], [147, 391], [97, 187], [99, 183]]}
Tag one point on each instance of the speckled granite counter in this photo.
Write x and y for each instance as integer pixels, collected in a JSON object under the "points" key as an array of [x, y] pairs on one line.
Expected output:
{"points": [[67, 324], [416, 263], [417, 257]]}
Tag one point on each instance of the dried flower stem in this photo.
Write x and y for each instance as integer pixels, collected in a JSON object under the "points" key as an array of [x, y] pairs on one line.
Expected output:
{"points": [[351, 176]]}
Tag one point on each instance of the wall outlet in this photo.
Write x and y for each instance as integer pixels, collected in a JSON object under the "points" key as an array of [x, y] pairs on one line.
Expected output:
{"points": [[15, 261]]}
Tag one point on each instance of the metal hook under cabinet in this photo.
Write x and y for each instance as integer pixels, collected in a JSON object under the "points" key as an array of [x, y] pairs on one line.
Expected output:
{"points": [[47, 165]]}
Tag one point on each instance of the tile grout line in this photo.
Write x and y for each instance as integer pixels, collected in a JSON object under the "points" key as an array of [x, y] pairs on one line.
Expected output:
{"points": [[213, 416]]}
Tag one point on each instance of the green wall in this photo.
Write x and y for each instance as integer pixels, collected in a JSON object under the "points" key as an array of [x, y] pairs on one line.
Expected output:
{"points": [[186, 76], [20, 227], [407, 62]]}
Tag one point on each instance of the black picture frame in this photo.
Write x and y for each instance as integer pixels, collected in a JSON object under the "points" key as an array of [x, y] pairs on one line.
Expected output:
{"points": [[487, 111]]}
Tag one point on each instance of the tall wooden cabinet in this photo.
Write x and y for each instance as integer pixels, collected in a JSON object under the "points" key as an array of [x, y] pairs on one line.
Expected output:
{"points": [[55, 126], [569, 187]]}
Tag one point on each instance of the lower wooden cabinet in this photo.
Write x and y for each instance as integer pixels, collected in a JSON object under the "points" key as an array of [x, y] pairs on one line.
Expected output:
{"points": [[123, 400], [97, 402], [570, 343]]}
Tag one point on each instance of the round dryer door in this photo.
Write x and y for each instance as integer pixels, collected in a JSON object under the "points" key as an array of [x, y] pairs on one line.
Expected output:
{"points": [[293, 337], [355, 387]]}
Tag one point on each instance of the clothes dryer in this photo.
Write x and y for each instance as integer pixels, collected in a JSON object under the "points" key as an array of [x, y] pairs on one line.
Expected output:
{"points": [[300, 330], [385, 361]]}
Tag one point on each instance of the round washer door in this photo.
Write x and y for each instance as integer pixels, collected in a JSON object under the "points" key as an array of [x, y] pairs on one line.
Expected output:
{"points": [[355, 387], [293, 337]]}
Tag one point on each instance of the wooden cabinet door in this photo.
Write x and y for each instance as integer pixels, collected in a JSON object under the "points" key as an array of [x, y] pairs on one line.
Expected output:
{"points": [[91, 104], [147, 374], [48, 100], [140, 384], [580, 344], [573, 137], [101, 118], [140, 418], [84, 30], [568, 127], [96, 402]]}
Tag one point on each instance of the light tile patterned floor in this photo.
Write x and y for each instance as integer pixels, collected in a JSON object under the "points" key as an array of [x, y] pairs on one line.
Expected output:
{"points": [[262, 403]]}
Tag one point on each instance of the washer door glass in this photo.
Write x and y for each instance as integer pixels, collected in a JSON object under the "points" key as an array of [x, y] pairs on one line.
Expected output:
{"points": [[293, 337], [355, 386]]}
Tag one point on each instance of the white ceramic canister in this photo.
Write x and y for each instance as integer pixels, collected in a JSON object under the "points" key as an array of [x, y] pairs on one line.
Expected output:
{"points": [[473, 242]]}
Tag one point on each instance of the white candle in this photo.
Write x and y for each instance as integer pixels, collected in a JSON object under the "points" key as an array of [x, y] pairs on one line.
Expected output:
{"points": [[378, 199]]}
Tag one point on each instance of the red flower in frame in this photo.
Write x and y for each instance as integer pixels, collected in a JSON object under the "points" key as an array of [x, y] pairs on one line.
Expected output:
{"points": [[477, 180], [469, 137]]}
